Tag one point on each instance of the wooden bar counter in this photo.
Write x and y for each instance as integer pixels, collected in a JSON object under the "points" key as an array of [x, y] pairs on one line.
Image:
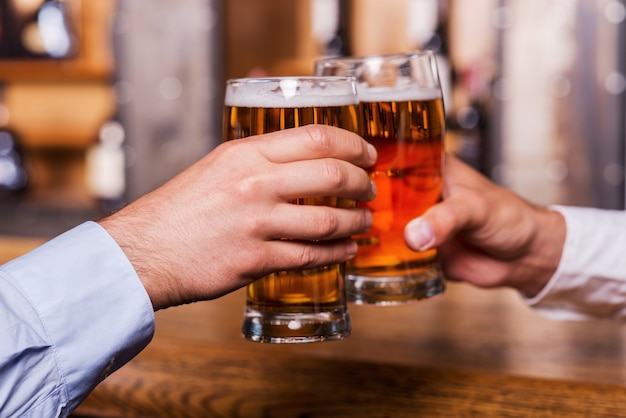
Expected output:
{"points": [[469, 352]]}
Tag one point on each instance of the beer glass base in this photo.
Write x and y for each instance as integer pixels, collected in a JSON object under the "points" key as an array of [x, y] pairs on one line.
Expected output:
{"points": [[285, 328], [395, 289]]}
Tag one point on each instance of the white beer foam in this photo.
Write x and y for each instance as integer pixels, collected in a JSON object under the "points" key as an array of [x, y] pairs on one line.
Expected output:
{"points": [[397, 94], [287, 93]]}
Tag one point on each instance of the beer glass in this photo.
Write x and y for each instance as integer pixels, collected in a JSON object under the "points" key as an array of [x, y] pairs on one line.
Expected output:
{"points": [[403, 117], [308, 305]]}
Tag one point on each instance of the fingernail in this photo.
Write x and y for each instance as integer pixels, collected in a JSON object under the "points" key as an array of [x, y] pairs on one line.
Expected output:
{"points": [[369, 220], [371, 152], [419, 234], [351, 249], [374, 190]]}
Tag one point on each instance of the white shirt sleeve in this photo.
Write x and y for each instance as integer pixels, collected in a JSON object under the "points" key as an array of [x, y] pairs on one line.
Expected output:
{"points": [[590, 281], [71, 312]]}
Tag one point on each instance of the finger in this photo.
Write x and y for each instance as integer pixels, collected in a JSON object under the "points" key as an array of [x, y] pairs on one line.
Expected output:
{"points": [[458, 211], [323, 177], [317, 141], [302, 222], [461, 262], [295, 255], [444, 220]]}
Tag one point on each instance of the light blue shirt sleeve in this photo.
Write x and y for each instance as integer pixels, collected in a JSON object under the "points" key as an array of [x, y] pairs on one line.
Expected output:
{"points": [[71, 312]]}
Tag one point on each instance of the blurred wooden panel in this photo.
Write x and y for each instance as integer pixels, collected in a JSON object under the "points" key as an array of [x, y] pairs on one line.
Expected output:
{"points": [[13, 247], [58, 115], [258, 34], [379, 27]]}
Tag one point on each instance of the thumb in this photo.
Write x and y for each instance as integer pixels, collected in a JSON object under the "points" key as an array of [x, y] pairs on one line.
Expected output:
{"points": [[438, 224], [465, 206], [419, 234]]}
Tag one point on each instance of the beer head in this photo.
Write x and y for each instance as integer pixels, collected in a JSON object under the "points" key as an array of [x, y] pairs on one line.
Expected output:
{"points": [[290, 92], [257, 106], [396, 93]]}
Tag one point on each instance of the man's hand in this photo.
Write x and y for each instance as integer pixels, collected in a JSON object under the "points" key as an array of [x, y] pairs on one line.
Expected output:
{"points": [[487, 235], [220, 224]]}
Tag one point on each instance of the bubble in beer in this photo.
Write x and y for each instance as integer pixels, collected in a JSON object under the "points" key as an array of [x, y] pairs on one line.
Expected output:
{"points": [[294, 324]]}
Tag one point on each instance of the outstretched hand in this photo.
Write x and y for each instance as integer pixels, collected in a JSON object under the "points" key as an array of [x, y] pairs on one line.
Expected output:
{"points": [[487, 235]]}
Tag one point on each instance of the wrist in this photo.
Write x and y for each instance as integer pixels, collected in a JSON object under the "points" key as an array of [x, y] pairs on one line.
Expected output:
{"points": [[544, 253], [137, 254]]}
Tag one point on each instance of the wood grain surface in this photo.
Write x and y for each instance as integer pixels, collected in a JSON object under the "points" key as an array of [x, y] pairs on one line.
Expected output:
{"points": [[470, 352], [174, 380]]}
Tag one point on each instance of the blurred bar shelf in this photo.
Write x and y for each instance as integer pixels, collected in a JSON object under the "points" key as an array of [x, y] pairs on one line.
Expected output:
{"points": [[27, 218]]}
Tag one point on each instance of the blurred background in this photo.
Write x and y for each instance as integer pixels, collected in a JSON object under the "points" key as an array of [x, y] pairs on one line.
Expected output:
{"points": [[103, 101]]}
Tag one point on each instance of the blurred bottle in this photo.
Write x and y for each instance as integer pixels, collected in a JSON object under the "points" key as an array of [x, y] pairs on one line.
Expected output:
{"points": [[330, 26], [13, 172], [429, 28], [470, 122], [35, 29], [106, 167], [8, 30]]}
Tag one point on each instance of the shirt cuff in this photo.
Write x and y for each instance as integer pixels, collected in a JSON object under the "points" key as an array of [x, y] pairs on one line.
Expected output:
{"points": [[91, 302], [590, 281]]}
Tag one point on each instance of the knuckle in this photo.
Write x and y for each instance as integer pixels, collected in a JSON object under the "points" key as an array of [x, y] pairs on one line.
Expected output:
{"points": [[479, 201], [318, 137], [233, 148], [257, 225], [248, 186], [326, 223], [334, 174], [307, 256]]}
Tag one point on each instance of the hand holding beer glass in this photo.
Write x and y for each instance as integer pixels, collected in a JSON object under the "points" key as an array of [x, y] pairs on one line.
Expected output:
{"points": [[402, 108], [308, 305]]}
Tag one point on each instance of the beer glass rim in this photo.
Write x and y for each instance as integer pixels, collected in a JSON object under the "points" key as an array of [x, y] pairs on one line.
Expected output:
{"points": [[360, 58], [428, 81], [308, 78]]}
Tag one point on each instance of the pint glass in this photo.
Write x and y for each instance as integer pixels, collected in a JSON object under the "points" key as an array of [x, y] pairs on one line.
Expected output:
{"points": [[308, 305], [403, 117]]}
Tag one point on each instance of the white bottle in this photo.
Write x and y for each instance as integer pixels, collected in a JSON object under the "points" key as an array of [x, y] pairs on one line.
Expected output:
{"points": [[105, 165]]}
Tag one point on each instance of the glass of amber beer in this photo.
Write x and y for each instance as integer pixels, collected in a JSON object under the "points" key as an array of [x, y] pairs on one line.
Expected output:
{"points": [[403, 117], [307, 305]]}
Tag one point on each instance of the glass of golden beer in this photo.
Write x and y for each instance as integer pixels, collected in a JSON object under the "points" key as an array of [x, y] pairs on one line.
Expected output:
{"points": [[307, 305], [403, 117]]}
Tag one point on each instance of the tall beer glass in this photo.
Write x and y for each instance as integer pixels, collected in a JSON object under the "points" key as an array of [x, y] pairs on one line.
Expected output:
{"points": [[403, 116], [308, 305]]}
